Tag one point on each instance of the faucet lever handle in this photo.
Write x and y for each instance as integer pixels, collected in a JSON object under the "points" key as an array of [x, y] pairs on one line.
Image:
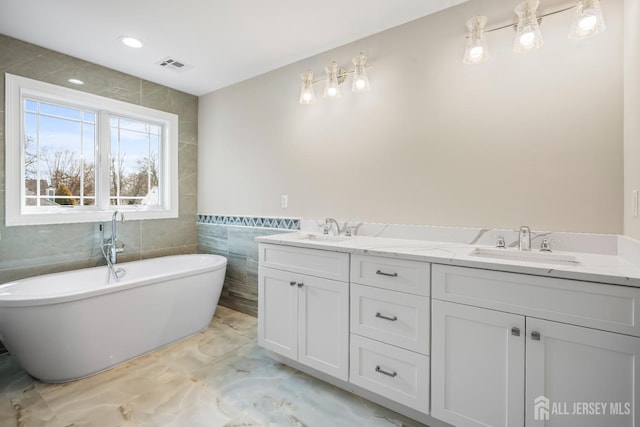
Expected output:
{"points": [[500, 243], [325, 228], [545, 246], [351, 230]]}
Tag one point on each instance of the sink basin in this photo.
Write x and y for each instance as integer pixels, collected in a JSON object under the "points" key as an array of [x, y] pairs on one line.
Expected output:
{"points": [[315, 237], [516, 255]]}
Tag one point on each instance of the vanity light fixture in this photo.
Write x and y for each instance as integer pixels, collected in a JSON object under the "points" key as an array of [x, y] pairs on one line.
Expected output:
{"points": [[131, 42], [335, 77], [332, 86], [476, 51], [307, 95], [360, 79], [528, 36], [588, 21]]}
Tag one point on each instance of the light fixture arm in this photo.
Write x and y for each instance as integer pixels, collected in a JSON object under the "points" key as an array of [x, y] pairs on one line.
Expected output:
{"points": [[342, 75], [334, 78], [588, 21], [514, 25]]}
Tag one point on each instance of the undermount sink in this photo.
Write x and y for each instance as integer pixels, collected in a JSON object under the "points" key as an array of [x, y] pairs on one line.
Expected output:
{"points": [[517, 255], [322, 237]]}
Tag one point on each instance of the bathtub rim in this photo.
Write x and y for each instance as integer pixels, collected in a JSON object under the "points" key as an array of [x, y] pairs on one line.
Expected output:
{"points": [[35, 300]]}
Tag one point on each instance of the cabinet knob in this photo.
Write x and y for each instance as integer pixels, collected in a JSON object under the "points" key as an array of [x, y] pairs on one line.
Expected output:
{"points": [[389, 374], [300, 284], [292, 283], [535, 336], [515, 331]]}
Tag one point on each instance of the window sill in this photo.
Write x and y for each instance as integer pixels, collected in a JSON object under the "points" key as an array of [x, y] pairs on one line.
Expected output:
{"points": [[69, 216]]}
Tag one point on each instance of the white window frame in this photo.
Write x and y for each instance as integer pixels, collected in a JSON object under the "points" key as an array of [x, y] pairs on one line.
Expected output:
{"points": [[17, 89]]}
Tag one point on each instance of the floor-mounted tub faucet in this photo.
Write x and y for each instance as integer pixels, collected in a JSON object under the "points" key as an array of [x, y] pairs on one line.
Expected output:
{"points": [[109, 247], [114, 250]]}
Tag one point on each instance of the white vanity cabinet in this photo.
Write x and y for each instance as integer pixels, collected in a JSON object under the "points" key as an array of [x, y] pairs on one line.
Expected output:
{"points": [[504, 343], [303, 306], [477, 366], [390, 329]]}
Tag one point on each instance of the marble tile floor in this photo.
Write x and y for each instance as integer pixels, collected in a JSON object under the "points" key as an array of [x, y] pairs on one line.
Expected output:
{"points": [[219, 377]]}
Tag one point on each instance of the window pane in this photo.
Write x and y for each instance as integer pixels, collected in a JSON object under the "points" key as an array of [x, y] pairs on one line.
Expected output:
{"points": [[60, 111], [135, 147], [30, 106], [59, 156], [89, 117]]}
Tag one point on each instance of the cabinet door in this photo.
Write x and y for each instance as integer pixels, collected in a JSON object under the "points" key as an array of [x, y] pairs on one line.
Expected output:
{"points": [[477, 366], [573, 371], [324, 325], [278, 311]]}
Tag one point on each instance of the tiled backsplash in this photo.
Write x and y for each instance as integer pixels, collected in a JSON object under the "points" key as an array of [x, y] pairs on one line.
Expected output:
{"points": [[234, 238], [251, 221]]}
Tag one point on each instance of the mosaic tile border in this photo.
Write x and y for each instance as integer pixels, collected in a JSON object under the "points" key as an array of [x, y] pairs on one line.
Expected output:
{"points": [[251, 221]]}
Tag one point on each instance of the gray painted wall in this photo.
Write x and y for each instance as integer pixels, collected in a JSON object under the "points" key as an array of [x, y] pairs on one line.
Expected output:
{"points": [[33, 250]]}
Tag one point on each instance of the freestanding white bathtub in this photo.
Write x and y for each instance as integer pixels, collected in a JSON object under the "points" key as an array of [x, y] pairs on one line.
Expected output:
{"points": [[65, 326]]}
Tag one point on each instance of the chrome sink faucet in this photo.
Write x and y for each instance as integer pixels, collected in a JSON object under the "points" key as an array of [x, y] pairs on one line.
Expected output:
{"points": [[525, 238], [328, 225]]}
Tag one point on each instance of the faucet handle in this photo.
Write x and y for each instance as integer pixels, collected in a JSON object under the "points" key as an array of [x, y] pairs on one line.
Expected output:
{"points": [[351, 230], [500, 243], [545, 246], [325, 228]]}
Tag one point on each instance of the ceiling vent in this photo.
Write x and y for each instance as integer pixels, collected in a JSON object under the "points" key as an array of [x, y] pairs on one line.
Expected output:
{"points": [[175, 65]]}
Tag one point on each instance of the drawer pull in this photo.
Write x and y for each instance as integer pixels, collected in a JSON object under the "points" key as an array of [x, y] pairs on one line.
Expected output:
{"points": [[535, 336], [382, 273], [389, 374], [300, 284], [515, 331], [382, 316], [292, 283]]}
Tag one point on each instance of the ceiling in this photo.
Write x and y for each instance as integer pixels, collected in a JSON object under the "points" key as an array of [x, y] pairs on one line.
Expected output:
{"points": [[226, 41]]}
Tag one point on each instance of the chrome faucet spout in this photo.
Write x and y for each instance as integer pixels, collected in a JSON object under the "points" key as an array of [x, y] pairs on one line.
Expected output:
{"points": [[329, 223]]}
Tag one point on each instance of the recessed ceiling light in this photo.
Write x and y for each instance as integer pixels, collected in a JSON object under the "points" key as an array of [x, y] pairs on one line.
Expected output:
{"points": [[131, 42], [76, 81]]}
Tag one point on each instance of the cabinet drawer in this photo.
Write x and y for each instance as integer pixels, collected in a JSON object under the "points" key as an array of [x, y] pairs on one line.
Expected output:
{"points": [[389, 273], [392, 317], [595, 305], [331, 265], [391, 372]]}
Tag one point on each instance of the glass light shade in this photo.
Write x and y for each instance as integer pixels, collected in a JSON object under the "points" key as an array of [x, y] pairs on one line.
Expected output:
{"points": [[528, 36], [587, 21], [332, 87], [476, 51], [307, 95], [360, 79]]}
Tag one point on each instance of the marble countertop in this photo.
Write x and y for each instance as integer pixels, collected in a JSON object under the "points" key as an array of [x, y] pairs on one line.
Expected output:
{"points": [[610, 269]]}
